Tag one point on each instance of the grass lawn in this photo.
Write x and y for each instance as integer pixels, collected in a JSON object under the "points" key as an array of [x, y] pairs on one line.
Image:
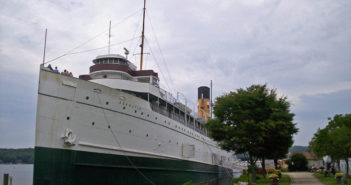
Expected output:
{"points": [[285, 180], [329, 180]]}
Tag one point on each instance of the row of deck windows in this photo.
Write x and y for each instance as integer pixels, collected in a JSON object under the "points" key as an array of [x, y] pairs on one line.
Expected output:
{"points": [[110, 61]]}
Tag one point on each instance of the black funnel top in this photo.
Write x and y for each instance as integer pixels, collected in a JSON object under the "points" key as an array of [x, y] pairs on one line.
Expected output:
{"points": [[203, 92]]}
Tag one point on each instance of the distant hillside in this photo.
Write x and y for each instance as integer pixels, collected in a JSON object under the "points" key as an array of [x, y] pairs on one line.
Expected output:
{"points": [[298, 149], [14, 156]]}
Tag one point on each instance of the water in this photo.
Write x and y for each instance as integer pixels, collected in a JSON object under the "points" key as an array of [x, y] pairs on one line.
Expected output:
{"points": [[22, 174]]}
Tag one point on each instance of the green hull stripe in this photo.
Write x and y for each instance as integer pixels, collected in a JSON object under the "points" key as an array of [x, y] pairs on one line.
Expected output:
{"points": [[143, 168], [69, 167]]}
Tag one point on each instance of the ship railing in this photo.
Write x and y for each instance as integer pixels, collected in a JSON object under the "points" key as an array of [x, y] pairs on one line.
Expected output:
{"points": [[183, 104], [167, 96], [178, 118]]}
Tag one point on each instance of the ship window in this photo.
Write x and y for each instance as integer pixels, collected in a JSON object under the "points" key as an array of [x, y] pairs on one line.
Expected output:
{"points": [[142, 113], [130, 131], [147, 135], [87, 97], [107, 103], [93, 123], [148, 115], [67, 117], [109, 126], [124, 108], [135, 111], [155, 118]]}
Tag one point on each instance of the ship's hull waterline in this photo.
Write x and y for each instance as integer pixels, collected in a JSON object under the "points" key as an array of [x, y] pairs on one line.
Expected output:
{"points": [[70, 167], [87, 133]]}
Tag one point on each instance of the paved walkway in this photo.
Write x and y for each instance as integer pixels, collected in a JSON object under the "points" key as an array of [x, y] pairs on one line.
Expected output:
{"points": [[303, 178]]}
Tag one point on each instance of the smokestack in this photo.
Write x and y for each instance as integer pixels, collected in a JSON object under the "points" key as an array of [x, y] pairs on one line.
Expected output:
{"points": [[203, 97]]}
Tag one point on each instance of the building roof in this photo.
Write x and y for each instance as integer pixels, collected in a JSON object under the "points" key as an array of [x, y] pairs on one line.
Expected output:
{"points": [[308, 155]]}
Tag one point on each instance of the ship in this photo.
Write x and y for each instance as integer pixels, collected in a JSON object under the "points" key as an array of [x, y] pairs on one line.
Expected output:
{"points": [[116, 126]]}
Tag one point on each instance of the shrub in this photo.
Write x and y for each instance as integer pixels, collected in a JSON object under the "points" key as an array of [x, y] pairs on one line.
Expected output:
{"points": [[298, 162]]}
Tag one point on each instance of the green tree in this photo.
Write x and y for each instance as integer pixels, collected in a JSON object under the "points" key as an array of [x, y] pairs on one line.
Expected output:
{"points": [[298, 162], [245, 119], [280, 131], [340, 134], [334, 140]]}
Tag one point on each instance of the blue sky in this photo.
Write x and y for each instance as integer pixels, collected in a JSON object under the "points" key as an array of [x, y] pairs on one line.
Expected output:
{"points": [[301, 48]]}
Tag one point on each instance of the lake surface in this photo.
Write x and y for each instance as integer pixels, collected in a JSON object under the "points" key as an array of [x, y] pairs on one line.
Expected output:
{"points": [[22, 174]]}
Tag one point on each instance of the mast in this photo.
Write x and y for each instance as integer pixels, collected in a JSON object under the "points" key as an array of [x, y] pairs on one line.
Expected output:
{"points": [[46, 32], [142, 39], [211, 102], [109, 37]]}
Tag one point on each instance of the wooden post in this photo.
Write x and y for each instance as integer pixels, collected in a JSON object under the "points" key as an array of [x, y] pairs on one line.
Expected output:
{"points": [[6, 179]]}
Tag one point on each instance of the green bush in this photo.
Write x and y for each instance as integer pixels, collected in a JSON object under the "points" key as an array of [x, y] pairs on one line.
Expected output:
{"points": [[298, 162]]}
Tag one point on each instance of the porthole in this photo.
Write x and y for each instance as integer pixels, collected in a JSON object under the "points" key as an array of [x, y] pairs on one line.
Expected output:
{"points": [[135, 111], [142, 113], [147, 135], [93, 123], [67, 117], [109, 126], [124, 108], [107, 103], [148, 115], [155, 118], [87, 97], [130, 131]]}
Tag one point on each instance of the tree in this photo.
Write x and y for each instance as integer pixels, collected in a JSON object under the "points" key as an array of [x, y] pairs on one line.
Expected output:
{"points": [[298, 162], [245, 120], [279, 136], [334, 140], [340, 133]]}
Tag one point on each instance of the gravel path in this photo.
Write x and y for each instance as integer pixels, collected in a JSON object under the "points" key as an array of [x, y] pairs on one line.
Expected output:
{"points": [[303, 178]]}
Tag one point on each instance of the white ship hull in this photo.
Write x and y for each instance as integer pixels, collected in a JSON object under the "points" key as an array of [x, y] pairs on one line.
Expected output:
{"points": [[79, 123]]}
